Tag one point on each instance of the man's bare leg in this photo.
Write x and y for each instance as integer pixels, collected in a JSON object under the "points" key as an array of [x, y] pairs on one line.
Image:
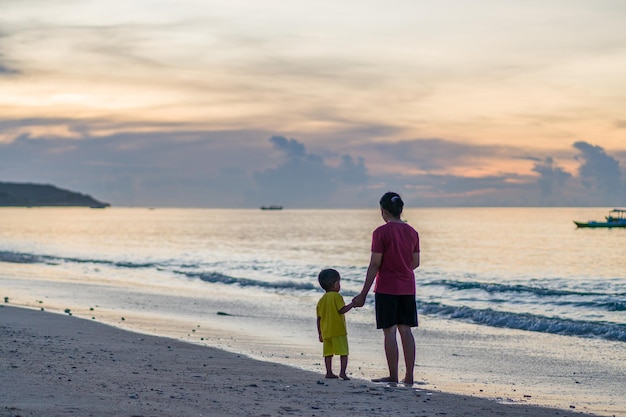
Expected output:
{"points": [[408, 346], [391, 352]]}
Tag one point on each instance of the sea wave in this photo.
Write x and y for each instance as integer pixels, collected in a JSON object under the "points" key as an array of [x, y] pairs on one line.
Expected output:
{"points": [[219, 278], [28, 258], [508, 288], [528, 322], [20, 258], [188, 270], [608, 300], [287, 277]]}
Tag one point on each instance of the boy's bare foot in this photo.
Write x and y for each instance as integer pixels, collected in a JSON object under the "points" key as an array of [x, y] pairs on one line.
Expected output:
{"points": [[344, 377], [385, 379], [331, 376]]}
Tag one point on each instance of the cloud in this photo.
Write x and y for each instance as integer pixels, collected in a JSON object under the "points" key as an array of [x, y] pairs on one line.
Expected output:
{"points": [[197, 168], [150, 169], [291, 147], [552, 177], [600, 173], [352, 171], [193, 169], [442, 175], [433, 154], [4, 69], [308, 180], [620, 124]]}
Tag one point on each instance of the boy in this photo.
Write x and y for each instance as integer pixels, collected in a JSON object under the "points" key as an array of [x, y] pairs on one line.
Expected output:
{"points": [[331, 323]]}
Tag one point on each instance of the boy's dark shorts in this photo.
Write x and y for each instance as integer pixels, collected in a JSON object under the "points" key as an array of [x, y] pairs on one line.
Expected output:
{"points": [[392, 310]]}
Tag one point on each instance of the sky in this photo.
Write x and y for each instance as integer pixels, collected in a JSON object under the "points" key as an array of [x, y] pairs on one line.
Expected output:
{"points": [[321, 104]]}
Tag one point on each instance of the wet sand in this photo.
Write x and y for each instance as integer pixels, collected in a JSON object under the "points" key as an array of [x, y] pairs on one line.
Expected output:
{"points": [[59, 365]]}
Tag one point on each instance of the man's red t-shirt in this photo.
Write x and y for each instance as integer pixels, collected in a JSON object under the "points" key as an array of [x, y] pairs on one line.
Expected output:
{"points": [[397, 242]]}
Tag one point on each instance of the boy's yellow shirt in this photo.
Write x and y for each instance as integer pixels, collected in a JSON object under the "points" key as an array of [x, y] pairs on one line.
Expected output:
{"points": [[332, 323]]}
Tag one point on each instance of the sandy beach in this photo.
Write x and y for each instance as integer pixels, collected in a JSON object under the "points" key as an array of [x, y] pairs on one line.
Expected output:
{"points": [[59, 365]]}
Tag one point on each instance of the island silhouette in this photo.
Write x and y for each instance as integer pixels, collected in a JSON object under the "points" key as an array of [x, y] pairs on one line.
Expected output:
{"points": [[44, 195]]}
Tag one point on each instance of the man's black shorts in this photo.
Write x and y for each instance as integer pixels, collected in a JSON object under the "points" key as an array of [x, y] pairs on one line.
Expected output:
{"points": [[392, 310]]}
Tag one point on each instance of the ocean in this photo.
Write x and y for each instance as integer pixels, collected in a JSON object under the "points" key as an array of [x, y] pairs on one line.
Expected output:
{"points": [[515, 304]]}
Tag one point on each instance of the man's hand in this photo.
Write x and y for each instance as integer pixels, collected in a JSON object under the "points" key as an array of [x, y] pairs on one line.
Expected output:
{"points": [[359, 300]]}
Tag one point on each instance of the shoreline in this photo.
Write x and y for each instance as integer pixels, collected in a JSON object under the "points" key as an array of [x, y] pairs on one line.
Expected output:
{"points": [[55, 364], [509, 366]]}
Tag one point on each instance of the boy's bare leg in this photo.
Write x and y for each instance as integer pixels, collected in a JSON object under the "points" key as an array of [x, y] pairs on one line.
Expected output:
{"points": [[408, 346], [391, 351], [344, 366], [328, 360]]}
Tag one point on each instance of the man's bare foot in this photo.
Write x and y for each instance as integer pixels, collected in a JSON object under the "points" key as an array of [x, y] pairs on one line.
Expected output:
{"points": [[407, 381], [331, 376], [385, 379], [344, 377]]}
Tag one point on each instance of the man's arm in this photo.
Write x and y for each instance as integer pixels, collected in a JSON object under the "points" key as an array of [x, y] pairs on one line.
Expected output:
{"points": [[372, 270], [416, 260]]}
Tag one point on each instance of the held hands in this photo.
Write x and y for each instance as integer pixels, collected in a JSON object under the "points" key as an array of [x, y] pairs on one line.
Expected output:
{"points": [[359, 300]]}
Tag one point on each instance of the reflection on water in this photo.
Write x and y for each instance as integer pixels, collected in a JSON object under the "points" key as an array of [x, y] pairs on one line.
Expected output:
{"points": [[486, 273]]}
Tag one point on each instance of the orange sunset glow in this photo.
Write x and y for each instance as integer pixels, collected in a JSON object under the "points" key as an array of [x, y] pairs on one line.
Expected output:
{"points": [[497, 97]]}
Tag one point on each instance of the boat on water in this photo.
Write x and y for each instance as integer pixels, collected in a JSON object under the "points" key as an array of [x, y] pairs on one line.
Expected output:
{"points": [[272, 207], [615, 218]]}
